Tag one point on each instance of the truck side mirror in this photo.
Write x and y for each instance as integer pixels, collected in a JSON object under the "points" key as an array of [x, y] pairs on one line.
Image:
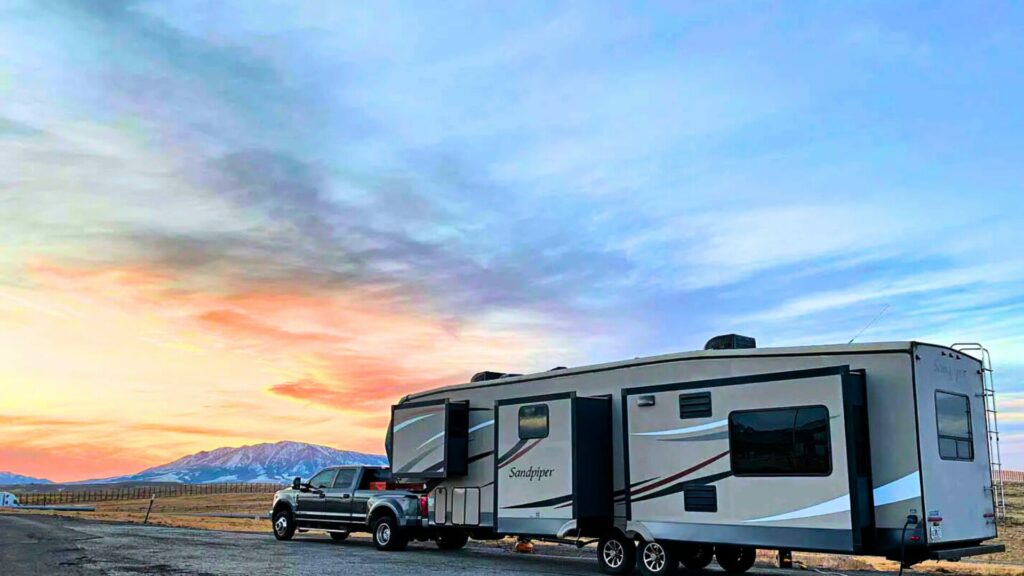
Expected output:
{"points": [[296, 483]]}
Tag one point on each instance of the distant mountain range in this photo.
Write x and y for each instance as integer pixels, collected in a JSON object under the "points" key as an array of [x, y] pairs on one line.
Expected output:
{"points": [[8, 478], [278, 462]]}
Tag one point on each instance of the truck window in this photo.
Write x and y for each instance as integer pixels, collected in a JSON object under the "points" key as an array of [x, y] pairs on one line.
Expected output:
{"points": [[345, 478], [323, 479], [533, 421], [953, 414], [780, 442]]}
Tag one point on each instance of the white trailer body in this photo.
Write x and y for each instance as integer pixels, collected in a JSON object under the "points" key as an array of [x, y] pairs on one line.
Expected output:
{"points": [[865, 436]]}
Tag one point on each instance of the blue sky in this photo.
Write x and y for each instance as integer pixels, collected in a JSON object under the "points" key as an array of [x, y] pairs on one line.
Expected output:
{"points": [[601, 181]]}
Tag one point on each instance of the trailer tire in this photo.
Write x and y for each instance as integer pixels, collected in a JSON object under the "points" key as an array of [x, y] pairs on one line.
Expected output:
{"points": [[283, 523], [696, 556], [451, 539], [735, 559], [657, 559], [338, 536], [387, 535], [616, 554]]}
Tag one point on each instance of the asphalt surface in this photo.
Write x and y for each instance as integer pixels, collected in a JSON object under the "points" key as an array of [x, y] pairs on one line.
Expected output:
{"points": [[47, 545]]}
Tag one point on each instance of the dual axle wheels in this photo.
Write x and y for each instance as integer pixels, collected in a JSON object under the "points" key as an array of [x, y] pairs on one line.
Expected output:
{"points": [[617, 554]]}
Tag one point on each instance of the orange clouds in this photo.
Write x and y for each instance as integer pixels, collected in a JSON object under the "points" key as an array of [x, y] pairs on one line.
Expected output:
{"points": [[153, 365]]}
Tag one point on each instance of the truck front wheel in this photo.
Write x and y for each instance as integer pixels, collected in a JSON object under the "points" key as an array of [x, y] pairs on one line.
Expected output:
{"points": [[452, 539], [284, 524], [387, 535]]}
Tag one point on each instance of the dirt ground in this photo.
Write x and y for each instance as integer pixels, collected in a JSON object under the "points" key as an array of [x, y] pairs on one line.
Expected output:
{"points": [[176, 512]]}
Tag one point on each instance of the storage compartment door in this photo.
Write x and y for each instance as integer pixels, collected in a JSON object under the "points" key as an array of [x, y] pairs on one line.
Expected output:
{"points": [[533, 478], [429, 439], [773, 460]]}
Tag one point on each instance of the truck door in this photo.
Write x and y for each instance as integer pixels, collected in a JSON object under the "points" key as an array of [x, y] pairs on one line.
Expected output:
{"points": [[338, 500], [309, 506]]}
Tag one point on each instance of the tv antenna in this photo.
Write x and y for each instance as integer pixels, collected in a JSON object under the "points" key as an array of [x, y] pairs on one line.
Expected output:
{"points": [[873, 320]]}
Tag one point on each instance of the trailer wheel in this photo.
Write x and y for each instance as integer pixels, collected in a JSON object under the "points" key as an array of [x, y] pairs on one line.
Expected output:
{"points": [[284, 524], [696, 556], [451, 539], [735, 559], [657, 559], [616, 554], [338, 535], [387, 535]]}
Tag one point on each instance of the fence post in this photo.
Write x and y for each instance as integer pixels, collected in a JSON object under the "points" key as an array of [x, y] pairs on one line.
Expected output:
{"points": [[150, 509]]}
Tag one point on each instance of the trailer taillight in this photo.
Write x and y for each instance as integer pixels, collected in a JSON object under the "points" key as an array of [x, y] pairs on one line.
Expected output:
{"points": [[423, 506]]}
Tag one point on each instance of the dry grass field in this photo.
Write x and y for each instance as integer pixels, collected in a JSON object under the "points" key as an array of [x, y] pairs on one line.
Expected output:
{"points": [[177, 511]]}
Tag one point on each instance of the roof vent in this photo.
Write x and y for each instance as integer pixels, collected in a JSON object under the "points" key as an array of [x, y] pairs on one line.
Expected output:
{"points": [[730, 342]]}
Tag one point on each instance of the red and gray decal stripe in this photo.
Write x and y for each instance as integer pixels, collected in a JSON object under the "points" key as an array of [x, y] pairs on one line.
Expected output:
{"points": [[511, 457], [644, 492]]}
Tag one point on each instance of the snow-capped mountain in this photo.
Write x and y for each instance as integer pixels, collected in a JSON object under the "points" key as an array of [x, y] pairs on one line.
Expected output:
{"points": [[278, 462], [9, 478]]}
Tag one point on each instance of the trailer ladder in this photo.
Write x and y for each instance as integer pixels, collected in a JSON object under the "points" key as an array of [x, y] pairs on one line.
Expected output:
{"points": [[991, 424]]}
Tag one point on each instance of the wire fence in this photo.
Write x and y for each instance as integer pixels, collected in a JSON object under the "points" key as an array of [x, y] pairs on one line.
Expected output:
{"points": [[75, 496]]}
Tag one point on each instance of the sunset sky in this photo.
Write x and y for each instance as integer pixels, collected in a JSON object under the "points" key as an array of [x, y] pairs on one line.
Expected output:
{"points": [[240, 222]]}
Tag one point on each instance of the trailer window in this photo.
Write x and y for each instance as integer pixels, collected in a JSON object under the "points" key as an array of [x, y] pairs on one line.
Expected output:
{"points": [[533, 421], [780, 442], [953, 413]]}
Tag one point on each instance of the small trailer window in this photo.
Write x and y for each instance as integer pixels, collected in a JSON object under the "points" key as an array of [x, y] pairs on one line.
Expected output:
{"points": [[533, 421], [953, 412], [780, 442]]}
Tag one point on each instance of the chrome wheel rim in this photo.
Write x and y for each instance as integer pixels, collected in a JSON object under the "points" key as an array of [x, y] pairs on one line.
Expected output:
{"points": [[281, 524], [613, 553], [654, 557], [383, 533]]}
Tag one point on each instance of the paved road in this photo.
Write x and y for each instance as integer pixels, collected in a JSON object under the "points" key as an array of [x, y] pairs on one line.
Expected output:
{"points": [[46, 545]]}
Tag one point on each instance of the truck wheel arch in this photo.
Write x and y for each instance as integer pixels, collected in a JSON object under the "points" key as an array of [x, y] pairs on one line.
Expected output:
{"points": [[383, 508]]}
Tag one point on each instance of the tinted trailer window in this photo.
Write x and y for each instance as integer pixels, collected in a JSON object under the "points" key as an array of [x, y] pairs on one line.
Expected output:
{"points": [[780, 442]]}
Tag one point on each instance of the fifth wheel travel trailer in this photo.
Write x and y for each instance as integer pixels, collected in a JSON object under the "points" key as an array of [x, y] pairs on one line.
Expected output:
{"points": [[876, 449]]}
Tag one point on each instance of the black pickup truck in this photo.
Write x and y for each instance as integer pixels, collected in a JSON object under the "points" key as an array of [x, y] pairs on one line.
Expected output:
{"points": [[345, 499]]}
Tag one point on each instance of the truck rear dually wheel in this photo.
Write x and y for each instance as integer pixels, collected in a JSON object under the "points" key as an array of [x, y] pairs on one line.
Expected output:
{"points": [[387, 535], [616, 554]]}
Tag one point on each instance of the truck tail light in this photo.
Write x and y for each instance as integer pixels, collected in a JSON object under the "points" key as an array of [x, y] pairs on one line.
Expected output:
{"points": [[423, 506]]}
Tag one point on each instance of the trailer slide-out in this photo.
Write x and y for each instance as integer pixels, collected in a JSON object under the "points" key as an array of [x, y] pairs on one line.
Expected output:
{"points": [[875, 449]]}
